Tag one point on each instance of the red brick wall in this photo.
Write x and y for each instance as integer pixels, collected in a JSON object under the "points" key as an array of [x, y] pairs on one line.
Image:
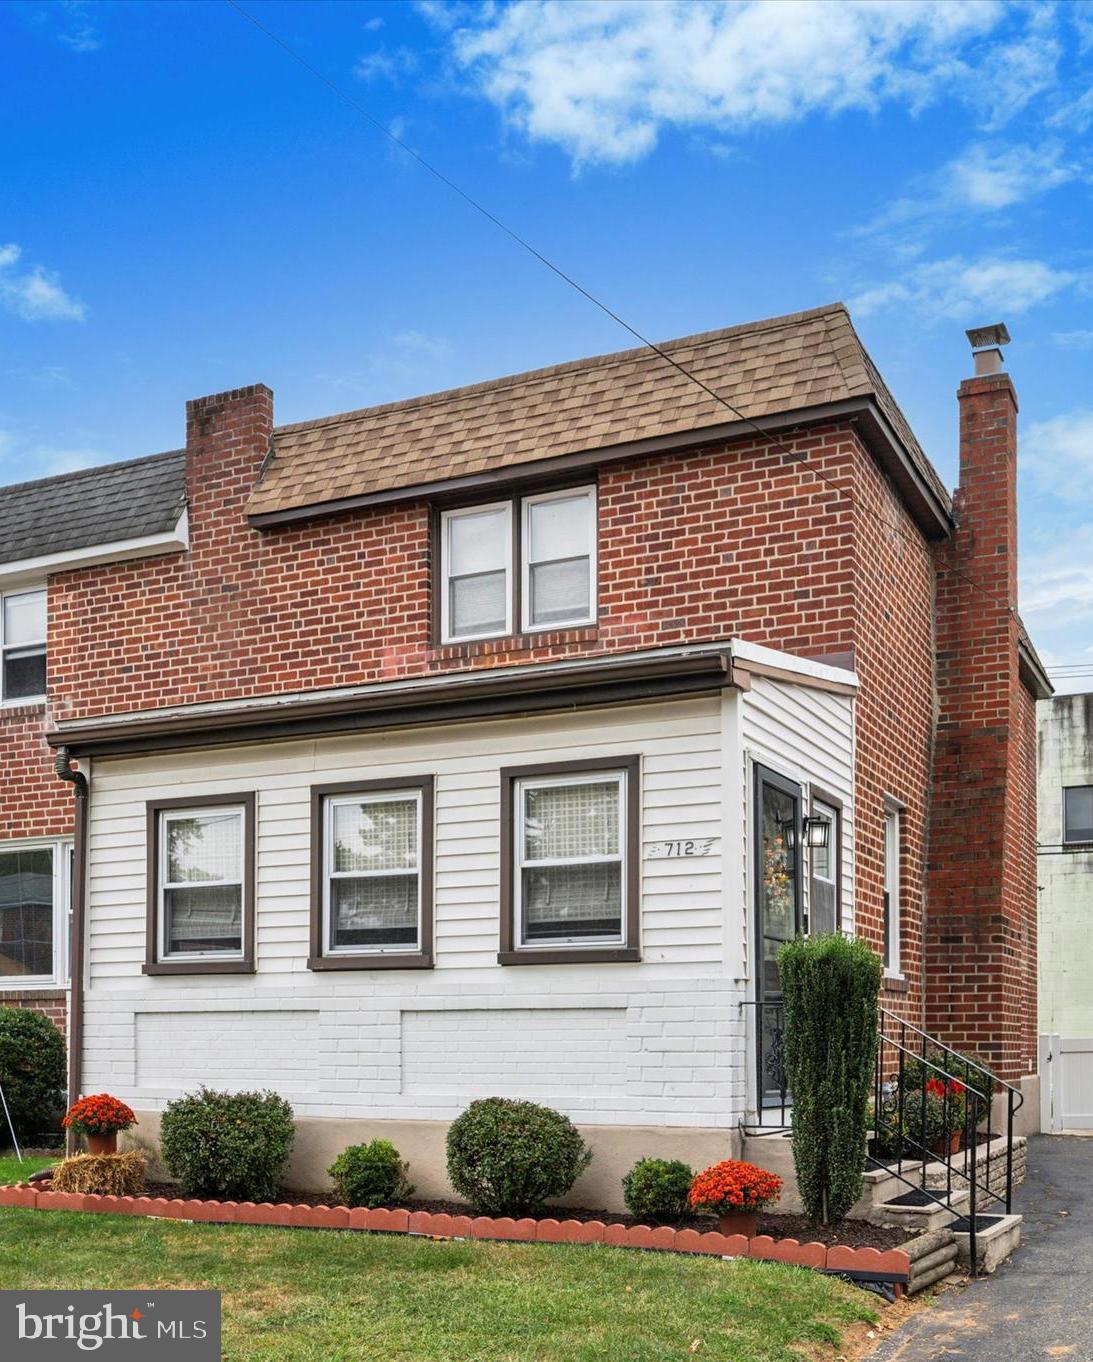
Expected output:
{"points": [[981, 946]]}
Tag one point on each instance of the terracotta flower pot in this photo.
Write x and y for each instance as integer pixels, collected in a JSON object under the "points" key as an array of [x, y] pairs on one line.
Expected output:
{"points": [[948, 1145], [739, 1222], [103, 1144]]}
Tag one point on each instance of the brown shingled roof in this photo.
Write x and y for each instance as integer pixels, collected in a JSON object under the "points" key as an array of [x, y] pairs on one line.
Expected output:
{"points": [[778, 366]]}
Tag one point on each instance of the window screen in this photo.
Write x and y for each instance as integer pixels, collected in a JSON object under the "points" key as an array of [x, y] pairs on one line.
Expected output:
{"points": [[24, 645], [26, 913], [201, 890], [373, 872], [477, 557], [570, 860], [558, 547]]}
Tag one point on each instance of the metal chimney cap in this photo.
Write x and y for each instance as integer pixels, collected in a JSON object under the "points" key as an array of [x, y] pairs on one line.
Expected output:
{"points": [[979, 337]]}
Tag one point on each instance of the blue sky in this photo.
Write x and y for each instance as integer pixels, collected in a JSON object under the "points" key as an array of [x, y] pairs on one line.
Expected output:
{"points": [[185, 209]]}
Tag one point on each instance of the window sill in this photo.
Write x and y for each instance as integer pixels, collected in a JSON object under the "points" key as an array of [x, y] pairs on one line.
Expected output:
{"points": [[31, 992], [199, 967], [896, 983], [571, 955], [30, 705], [523, 641], [367, 962]]}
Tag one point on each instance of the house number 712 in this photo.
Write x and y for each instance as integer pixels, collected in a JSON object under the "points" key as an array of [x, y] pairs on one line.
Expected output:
{"points": [[689, 846]]}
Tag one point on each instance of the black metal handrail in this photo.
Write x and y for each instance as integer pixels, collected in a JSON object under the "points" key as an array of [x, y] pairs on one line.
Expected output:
{"points": [[891, 1089]]}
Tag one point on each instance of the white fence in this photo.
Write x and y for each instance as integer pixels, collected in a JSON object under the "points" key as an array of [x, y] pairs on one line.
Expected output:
{"points": [[1066, 1084]]}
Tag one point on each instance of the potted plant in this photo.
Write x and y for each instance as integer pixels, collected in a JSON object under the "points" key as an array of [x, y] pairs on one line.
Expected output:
{"points": [[950, 1107], [928, 1120], [98, 1119], [735, 1192]]}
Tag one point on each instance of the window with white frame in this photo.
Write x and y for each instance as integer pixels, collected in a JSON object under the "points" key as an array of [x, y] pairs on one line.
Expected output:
{"points": [[559, 559], [569, 873], [823, 889], [476, 553], [23, 645], [485, 593], [372, 872], [891, 849], [35, 880], [1078, 814], [202, 882]]}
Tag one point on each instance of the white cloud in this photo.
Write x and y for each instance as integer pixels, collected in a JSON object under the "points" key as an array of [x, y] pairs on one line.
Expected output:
{"points": [[1057, 588], [33, 293], [1073, 340], [386, 64], [961, 289], [1058, 454], [413, 342], [602, 78]]}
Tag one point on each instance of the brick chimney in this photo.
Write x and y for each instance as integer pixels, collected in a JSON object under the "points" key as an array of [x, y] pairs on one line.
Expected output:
{"points": [[981, 918]]}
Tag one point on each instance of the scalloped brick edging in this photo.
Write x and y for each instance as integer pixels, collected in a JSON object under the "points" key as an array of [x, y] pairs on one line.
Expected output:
{"points": [[891, 1266]]}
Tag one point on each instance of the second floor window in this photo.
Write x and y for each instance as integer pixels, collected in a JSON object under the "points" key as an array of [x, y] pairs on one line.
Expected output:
{"points": [[23, 644], [1078, 814], [528, 564]]}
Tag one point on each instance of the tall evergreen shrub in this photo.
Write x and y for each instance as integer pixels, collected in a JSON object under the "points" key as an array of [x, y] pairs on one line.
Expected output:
{"points": [[830, 986]]}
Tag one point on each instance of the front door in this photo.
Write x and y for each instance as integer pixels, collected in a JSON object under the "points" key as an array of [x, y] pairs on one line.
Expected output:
{"points": [[777, 915]]}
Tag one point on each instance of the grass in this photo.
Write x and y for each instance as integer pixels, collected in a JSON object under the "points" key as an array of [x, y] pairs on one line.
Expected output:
{"points": [[11, 1170], [325, 1296]]}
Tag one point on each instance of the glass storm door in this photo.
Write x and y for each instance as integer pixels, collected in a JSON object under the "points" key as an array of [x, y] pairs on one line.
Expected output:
{"points": [[777, 915]]}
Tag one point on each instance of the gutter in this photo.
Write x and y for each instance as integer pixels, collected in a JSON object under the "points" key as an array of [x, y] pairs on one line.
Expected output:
{"points": [[78, 779]]}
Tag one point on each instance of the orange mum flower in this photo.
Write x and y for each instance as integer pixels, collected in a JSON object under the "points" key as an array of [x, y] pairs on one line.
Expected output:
{"points": [[733, 1186], [99, 1115]]}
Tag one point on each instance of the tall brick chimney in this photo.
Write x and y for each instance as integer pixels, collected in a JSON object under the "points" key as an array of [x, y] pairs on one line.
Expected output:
{"points": [[981, 917], [228, 439]]}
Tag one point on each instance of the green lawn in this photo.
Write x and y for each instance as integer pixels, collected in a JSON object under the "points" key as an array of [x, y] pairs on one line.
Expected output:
{"points": [[325, 1296], [11, 1170]]}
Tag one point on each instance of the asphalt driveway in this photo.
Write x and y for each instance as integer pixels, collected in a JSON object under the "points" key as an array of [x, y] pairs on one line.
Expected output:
{"points": [[1040, 1303]]}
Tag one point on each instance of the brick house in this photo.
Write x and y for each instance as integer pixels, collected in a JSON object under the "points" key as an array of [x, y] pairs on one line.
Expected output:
{"points": [[492, 741]]}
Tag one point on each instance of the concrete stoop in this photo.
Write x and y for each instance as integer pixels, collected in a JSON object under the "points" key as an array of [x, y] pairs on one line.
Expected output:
{"points": [[995, 1241]]}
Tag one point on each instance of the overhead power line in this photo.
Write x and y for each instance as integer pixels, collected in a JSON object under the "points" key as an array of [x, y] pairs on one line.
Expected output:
{"points": [[585, 293]]}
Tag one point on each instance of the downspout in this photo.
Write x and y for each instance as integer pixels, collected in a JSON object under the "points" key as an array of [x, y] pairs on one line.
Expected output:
{"points": [[66, 771]]}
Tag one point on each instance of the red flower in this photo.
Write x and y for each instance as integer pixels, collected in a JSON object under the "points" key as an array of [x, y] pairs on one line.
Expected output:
{"points": [[733, 1186], [99, 1115]]}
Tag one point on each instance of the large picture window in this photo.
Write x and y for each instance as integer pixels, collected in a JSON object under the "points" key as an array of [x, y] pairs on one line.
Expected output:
{"points": [[34, 892], [23, 646], [372, 874], [570, 861], [201, 885], [493, 580]]}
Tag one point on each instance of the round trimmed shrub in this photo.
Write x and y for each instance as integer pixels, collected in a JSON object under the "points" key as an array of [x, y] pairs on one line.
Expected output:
{"points": [[229, 1146], [508, 1157], [32, 1074], [370, 1174], [657, 1189]]}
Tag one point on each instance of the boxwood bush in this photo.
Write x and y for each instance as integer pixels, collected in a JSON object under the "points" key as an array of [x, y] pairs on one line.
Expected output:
{"points": [[231, 1146], [32, 1074], [370, 1175], [508, 1157], [657, 1189]]}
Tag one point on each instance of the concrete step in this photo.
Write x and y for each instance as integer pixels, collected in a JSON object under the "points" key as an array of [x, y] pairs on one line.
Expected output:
{"points": [[997, 1236], [917, 1213]]}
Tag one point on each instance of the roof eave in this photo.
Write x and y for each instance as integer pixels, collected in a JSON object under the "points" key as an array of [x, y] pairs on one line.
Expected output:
{"points": [[93, 555], [931, 513], [1032, 671]]}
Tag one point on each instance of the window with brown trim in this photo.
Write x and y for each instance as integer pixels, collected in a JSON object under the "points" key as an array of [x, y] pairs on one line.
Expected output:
{"points": [[372, 874], [201, 885], [527, 564], [571, 862], [825, 867]]}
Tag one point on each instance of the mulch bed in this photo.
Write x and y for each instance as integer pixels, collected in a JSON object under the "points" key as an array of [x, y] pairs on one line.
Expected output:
{"points": [[851, 1233]]}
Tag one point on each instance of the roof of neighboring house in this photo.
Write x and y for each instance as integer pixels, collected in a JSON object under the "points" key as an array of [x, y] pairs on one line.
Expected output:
{"points": [[803, 361], [107, 505]]}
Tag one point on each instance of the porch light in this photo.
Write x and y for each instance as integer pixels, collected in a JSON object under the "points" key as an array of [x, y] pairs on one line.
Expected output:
{"points": [[817, 831]]}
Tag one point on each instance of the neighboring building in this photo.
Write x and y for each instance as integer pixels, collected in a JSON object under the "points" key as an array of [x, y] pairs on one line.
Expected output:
{"points": [[480, 743], [1066, 910], [120, 513]]}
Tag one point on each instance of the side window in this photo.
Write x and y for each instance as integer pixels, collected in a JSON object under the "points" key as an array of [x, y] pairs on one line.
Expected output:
{"points": [[559, 559], [476, 573], [824, 909], [891, 844], [23, 645], [34, 907], [1078, 814]]}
